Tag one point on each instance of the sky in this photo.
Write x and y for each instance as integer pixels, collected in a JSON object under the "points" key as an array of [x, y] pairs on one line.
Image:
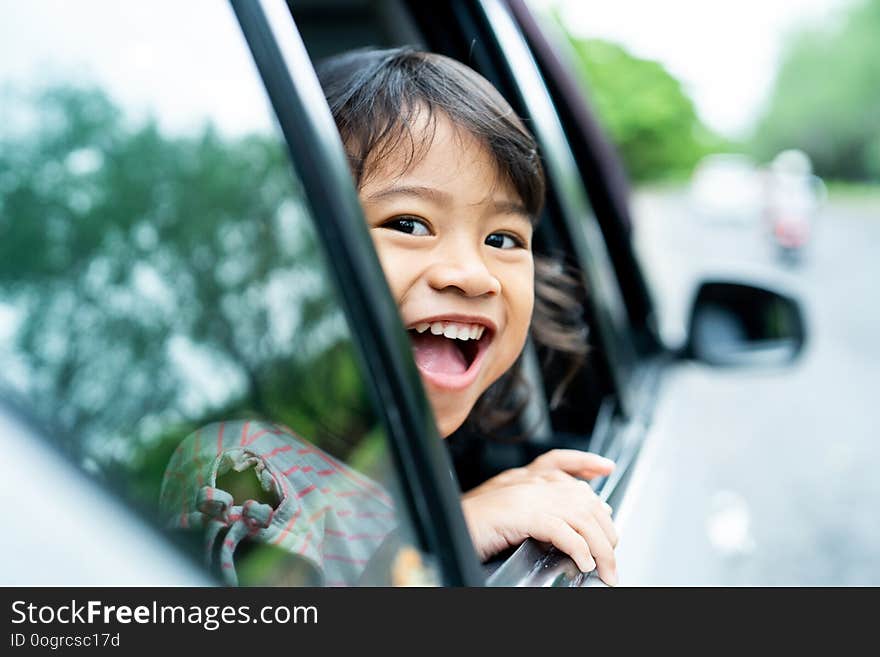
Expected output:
{"points": [[725, 53], [186, 56], [182, 62]]}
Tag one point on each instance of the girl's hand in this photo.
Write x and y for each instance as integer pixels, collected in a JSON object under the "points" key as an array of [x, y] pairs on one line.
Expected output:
{"points": [[546, 501], [560, 510], [555, 465]]}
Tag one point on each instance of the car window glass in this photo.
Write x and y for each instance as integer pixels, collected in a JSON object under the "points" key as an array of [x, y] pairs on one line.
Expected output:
{"points": [[166, 313]]}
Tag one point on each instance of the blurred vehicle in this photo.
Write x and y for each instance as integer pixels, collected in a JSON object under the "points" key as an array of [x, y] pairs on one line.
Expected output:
{"points": [[792, 199], [726, 188], [158, 277]]}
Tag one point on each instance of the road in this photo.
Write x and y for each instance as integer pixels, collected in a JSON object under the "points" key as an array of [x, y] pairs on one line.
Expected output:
{"points": [[763, 477]]}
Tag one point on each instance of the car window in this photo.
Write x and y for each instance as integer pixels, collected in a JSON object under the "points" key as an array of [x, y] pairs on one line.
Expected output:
{"points": [[166, 311]]}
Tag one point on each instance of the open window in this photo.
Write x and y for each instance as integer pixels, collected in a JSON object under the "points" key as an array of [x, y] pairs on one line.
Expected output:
{"points": [[602, 407], [461, 30]]}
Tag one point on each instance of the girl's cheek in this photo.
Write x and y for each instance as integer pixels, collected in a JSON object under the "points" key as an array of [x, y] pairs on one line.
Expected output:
{"points": [[395, 264]]}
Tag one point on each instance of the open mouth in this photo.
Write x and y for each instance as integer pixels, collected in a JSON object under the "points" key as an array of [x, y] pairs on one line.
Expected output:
{"points": [[448, 353]]}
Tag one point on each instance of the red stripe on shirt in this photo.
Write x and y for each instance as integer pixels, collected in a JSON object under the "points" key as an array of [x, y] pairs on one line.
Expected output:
{"points": [[363, 482], [286, 530], [339, 557], [244, 430], [259, 434], [349, 474], [197, 461], [319, 513], [276, 451], [305, 491], [220, 438]]}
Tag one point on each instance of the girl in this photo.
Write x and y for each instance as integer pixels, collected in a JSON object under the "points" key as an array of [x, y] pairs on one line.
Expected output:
{"points": [[451, 186]]}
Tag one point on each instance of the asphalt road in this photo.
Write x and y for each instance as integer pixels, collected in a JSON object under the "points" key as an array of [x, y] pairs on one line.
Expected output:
{"points": [[767, 477]]}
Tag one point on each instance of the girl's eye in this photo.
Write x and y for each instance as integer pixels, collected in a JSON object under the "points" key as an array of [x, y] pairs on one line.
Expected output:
{"points": [[504, 241], [409, 225]]}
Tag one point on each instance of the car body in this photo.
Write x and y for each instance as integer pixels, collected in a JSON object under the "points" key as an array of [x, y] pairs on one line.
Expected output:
{"points": [[173, 318]]}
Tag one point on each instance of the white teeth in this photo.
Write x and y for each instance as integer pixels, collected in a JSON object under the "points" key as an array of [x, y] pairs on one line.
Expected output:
{"points": [[452, 330]]}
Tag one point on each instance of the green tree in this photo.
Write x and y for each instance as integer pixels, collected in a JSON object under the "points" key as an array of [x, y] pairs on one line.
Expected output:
{"points": [[826, 99], [645, 110], [134, 259]]}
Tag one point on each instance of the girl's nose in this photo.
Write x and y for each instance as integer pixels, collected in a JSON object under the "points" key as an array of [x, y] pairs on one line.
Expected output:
{"points": [[465, 272]]}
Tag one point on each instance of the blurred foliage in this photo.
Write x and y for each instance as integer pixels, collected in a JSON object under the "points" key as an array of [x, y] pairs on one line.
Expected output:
{"points": [[645, 111], [826, 99], [161, 283]]}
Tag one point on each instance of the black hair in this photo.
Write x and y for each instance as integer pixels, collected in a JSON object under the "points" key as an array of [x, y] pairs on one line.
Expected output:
{"points": [[376, 96]]}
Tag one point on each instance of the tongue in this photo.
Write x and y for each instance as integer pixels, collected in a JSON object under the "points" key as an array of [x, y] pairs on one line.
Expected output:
{"points": [[435, 353]]}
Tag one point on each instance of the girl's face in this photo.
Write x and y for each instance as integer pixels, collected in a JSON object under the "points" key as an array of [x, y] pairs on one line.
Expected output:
{"points": [[455, 245]]}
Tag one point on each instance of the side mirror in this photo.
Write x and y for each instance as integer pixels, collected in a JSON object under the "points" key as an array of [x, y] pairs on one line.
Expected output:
{"points": [[736, 324]]}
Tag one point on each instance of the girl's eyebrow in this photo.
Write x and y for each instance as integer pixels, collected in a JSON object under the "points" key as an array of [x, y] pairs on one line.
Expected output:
{"points": [[439, 197], [510, 207]]}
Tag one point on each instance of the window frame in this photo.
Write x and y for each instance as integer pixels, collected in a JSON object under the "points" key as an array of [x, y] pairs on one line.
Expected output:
{"points": [[601, 169]]}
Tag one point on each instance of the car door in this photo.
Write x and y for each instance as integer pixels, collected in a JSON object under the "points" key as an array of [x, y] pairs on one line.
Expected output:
{"points": [[184, 344]]}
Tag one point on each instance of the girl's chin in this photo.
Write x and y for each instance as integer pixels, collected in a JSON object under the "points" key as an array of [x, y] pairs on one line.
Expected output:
{"points": [[447, 426], [450, 411]]}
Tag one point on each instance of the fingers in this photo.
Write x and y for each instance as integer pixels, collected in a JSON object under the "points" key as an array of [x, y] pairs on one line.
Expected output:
{"points": [[575, 462], [576, 508], [603, 517], [600, 547], [566, 539], [550, 506]]}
